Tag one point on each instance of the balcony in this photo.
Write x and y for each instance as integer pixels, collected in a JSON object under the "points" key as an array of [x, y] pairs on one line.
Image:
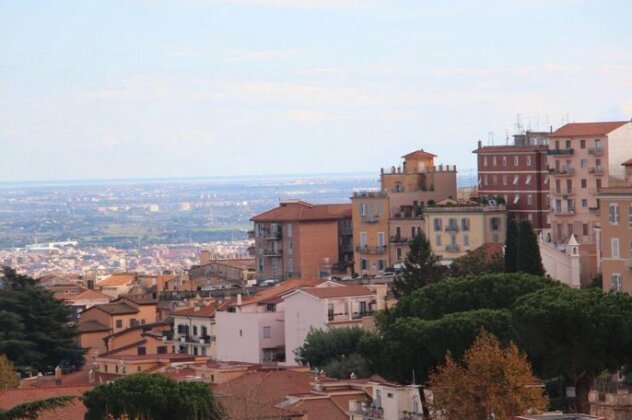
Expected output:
{"points": [[560, 152], [273, 235], [566, 171], [397, 239], [596, 170], [563, 193], [272, 253], [597, 151], [451, 228], [365, 249], [564, 212], [452, 248], [361, 314], [346, 248], [375, 218], [346, 231]]}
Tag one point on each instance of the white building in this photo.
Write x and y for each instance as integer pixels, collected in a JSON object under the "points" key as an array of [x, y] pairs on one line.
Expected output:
{"points": [[194, 331]]}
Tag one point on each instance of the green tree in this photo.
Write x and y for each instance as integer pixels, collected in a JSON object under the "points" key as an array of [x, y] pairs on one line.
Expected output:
{"points": [[476, 262], [35, 330], [491, 380], [144, 396], [577, 333], [8, 376], [421, 268], [335, 351], [491, 291], [528, 256], [511, 247], [33, 409]]}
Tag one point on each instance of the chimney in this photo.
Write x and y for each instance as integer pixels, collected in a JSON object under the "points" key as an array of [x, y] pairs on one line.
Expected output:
{"points": [[480, 144]]}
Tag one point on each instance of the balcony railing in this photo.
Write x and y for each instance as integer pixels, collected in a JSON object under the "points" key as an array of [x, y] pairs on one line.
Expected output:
{"points": [[597, 170], [274, 235], [597, 151], [375, 218], [560, 152], [272, 253], [371, 249], [361, 314], [397, 239], [566, 171], [452, 248], [563, 193], [564, 212], [346, 231], [451, 228]]}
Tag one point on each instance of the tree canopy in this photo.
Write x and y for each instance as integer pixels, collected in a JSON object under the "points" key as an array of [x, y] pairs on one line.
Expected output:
{"points": [[421, 267], [491, 380], [142, 396], [476, 262], [8, 375], [335, 351], [33, 409], [35, 331]]}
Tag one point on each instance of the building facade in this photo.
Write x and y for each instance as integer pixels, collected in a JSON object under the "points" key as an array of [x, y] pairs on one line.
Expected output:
{"points": [[517, 174], [302, 240], [384, 221]]}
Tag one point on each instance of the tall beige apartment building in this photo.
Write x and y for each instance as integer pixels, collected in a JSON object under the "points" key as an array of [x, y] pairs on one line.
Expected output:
{"points": [[385, 220], [583, 159]]}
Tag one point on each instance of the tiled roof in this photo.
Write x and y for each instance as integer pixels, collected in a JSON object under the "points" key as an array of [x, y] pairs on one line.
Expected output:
{"points": [[321, 408], [278, 290], [627, 162], [419, 154], [91, 326], [140, 299], [89, 294], [338, 292], [205, 311], [116, 308], [587, 129], [75, 410], [302, 211], [116, 280]]}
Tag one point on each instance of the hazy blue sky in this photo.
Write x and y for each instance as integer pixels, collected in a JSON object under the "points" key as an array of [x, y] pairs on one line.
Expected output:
{"points": [[130, 88]]}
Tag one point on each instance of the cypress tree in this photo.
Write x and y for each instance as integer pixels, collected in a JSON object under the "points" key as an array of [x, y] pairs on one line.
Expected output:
{"points": [[529, 259], [511, 244], [421, 267]]}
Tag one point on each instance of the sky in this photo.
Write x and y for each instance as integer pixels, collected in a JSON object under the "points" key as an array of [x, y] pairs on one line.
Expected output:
{"points": [[185, 88]]}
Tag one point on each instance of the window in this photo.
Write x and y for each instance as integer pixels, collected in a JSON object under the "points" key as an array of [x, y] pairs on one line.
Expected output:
{"points": [[260, 267], [504, 160], [142, 351], [241, 333], [515, 160], [380, 239], [495, 179], [465, 224], [290, 265], [364, 264], [582, 144], [437, 224], [203, 331], [381, 264], [546, 179], [598, 183], [527, 181], [630, 216], [289, 230], [267, 332], [585, 229], [362, 209], [466, 240], [614, 247], [584, 202], [516, 198], [583, 183], [504, 179], [119, 323], [615, 282], [493, 160], [290, 248], [529, 199], [363, 239], [528, 160], [484, 160], [438, 240], [486, 180], [494, 223], [516, 179], [398, 253], [568, 144], [613, 214]]}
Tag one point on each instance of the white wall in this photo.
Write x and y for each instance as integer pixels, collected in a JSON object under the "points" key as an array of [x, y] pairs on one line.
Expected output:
{"points": [[559, 265], [240, 335], [619, 150], [302, 312]]}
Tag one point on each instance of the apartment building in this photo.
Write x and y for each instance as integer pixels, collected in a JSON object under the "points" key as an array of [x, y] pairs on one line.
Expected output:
{"points": [[518, 174], [302, 240], [616, 238], [194, 331], [384, 221], [453, 228], [585, 158]]}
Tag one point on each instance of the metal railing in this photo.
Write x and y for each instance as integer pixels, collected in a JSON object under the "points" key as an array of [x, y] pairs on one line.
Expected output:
{"points": [[596, 151], [371, 249], [560, 152]]}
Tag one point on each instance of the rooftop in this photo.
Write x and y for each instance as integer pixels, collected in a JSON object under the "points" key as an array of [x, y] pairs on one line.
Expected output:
{"points": [[91, 326], [338, 292], [75, 410], [302, 211], [278, 290], [89, 294], [204, 311], [419, 154], [588, 129], [118, 308], [117, 280]]}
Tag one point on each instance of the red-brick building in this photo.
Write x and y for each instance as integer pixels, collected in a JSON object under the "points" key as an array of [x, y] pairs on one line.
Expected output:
{"points": [[517, 173]]}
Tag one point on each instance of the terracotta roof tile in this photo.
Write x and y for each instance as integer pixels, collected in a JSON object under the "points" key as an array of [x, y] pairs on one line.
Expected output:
{"points": [[116, 308], [278, 290], [76, 410], [587, 129], [91, 326], [89, 294], [419, 154], [321, 408], [116, 280], [302, 211], [205, 311], [337, 292]]}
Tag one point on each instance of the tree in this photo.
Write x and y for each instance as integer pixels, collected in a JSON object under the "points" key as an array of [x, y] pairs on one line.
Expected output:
{"points": [[151, 396], [577, 333], [8, 376], [476, 262], [528, 255], [491, 291], [511, 247], [421, 267], [490, 381], [35, 331], [335, 351], [32, 410]]}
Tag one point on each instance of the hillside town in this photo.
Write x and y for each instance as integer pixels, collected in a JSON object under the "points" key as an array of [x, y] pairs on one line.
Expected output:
{"points": [[241, 316]]}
